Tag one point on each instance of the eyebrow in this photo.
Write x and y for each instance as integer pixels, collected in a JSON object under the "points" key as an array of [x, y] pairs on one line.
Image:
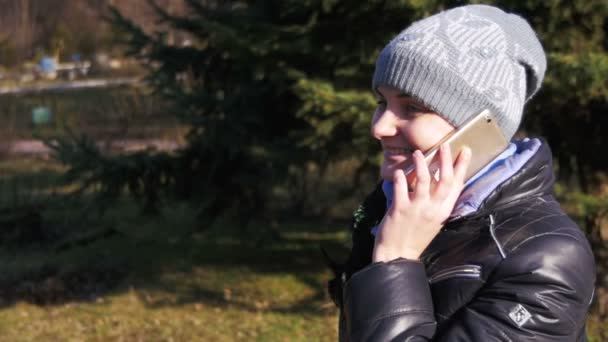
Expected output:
{"points": [[400, 95]]}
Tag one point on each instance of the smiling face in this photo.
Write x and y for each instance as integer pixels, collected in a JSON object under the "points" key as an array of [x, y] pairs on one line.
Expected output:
{"points": [[404, 125]]}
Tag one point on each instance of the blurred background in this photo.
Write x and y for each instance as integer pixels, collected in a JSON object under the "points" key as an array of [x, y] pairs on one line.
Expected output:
{"points": [[169, 169]]}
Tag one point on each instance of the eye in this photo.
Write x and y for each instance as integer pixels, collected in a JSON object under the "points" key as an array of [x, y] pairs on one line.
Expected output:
{"points": [[381, 104], [411, 110], [412, 107]]}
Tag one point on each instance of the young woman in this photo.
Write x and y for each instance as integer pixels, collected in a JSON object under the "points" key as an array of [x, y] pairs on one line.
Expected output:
{"points": [[490, 259]]}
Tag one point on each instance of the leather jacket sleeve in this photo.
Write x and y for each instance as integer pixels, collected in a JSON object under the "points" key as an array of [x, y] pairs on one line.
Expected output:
{"points": [[551, 276], [389, 301]]}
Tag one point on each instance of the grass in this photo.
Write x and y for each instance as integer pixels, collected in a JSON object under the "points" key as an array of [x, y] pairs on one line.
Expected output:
{"points": [[157, 279], [222, 285], [597, 328]]}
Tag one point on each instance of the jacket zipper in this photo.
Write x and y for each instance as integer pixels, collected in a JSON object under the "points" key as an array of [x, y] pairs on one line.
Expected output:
{"points": [[466, 271]]}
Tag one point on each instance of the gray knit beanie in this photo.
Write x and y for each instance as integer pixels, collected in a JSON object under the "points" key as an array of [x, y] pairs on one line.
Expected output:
{"points": [[461, 61]]}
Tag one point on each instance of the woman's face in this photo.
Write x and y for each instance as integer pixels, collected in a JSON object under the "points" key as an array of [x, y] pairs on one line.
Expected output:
{"points": [[404, 125]]}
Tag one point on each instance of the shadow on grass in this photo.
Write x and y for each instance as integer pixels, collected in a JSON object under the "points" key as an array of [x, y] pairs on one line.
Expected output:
{"points": [[311, 304], [77, 256], [18, 188], [192, 269], [294, 258], [301, 270], [55, 286]]}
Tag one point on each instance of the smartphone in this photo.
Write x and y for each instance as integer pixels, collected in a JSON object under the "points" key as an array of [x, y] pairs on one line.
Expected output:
{"points": [[481, 135]]}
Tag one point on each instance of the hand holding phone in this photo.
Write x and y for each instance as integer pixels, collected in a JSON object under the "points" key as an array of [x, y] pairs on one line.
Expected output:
{"points": [[415, 217], [418, 213], [481, 135]]}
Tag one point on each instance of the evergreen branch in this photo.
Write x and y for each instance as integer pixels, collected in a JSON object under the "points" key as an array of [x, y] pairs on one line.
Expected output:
{"points": [[138, 40]]}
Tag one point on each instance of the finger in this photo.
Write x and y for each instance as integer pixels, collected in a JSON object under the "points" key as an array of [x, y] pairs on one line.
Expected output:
{"points": [[462, 165], [446, 172], [460, 170], [401, 195], [423, 177]]}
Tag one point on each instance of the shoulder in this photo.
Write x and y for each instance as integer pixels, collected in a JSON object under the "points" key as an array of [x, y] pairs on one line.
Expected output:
{"points": [[539, 242], [541, 218]]}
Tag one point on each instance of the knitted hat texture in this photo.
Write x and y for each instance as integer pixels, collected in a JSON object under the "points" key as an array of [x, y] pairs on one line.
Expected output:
{"points": [[461, 61]]}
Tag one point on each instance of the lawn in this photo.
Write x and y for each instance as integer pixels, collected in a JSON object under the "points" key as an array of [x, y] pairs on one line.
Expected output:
{"points": [[213, 286], [123, 277]]}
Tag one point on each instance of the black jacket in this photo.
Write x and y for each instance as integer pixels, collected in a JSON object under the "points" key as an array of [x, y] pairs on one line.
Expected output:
{"points": [[516, 270]]}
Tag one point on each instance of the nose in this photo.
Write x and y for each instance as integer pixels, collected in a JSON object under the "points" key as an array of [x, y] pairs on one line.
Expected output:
{"points": [[384, 124]]}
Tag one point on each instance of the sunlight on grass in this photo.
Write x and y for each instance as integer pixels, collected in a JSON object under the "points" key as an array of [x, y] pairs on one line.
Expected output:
{"points": [[163, 278], [211, 287], [127, 317], [211, 304]]}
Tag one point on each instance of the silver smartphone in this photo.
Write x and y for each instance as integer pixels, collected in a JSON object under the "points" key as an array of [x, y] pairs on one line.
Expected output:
{"points": [[481, 135]]}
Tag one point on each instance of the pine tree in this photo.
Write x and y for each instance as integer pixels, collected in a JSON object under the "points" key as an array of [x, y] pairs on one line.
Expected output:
{"points": [[266, 86], [269, 86]]}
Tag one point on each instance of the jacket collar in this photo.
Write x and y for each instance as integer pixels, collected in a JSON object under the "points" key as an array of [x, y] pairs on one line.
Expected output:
{"points": [[527, 173]]}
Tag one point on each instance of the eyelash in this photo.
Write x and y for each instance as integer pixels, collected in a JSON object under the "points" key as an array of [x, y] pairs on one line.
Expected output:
{"points": [[410, 106], [414, 107]]}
